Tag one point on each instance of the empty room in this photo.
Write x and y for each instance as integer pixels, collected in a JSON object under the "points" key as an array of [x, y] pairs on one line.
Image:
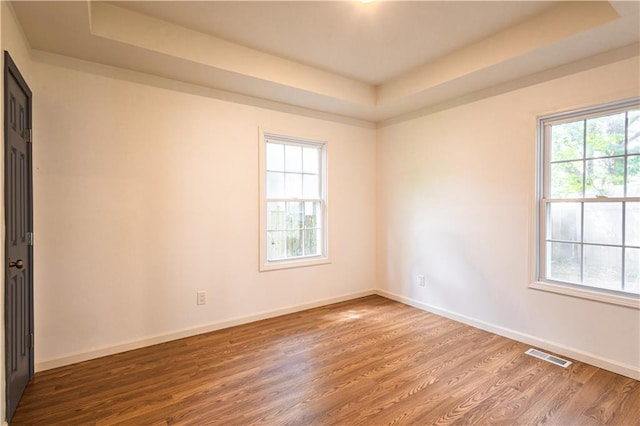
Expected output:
{"points": [[320, 212]]}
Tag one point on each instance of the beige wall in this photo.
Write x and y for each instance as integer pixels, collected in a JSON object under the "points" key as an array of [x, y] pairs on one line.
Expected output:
{"points": [[456, 203], [147, 195]]}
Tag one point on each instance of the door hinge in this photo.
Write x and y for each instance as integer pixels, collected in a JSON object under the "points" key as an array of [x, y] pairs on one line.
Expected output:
{"points": [[29, 238], [31, 340], [29, 135]]}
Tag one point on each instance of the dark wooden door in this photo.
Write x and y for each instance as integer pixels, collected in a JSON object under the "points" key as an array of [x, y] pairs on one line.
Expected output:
{"points": [[18, 207]]}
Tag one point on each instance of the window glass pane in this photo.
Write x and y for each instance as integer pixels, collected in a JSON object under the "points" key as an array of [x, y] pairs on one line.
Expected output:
{"points": [[275, 185], [294, 243], [603, 223], [567, 141], [633, 176], [605, 135], [312, 214], [312, 224], [564, 222], [293, 158], [603, 267], [292, 228], [594, 242], [276, 216], [275, 157], [293, 185], [310, 159], [294, 215], [632, 270], [604, 177], [312, 242], [566, 180], [310, 187], [276, 245], [563, 262], [633, 132], [632, 224]]}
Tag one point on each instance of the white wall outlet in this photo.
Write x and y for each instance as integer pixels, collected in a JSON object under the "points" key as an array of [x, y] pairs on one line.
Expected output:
{"points": [[201, 297], [421, 280]]}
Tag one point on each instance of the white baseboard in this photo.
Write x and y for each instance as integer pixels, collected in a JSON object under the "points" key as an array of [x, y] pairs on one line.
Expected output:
{"points": [[589, 358], [162, 338], [586, 357]]}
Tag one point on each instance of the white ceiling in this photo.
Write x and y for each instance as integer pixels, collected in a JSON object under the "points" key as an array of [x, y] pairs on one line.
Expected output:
{"points": [[368, 61]]}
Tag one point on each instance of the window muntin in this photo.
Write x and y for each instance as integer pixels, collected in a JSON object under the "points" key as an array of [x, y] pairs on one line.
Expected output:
{"points": [[589, 218], [294, 201]]}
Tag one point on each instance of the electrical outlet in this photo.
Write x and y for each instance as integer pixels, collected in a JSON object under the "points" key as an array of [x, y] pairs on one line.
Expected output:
{"points": [[421, 280], [201, 297]]}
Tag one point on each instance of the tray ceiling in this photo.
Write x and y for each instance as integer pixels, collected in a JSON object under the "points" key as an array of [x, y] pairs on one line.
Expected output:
{"points": [[370, 61]]}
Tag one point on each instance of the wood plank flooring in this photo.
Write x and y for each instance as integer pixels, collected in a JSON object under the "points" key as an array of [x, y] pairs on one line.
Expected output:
{"points": [[369, 361]]}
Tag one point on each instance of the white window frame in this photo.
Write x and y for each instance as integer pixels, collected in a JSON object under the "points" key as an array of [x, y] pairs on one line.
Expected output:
{"points": [[323, 257], [540, 281]]}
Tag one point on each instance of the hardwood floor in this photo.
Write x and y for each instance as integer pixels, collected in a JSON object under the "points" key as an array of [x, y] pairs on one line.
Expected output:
{"points": [[367, 361]]}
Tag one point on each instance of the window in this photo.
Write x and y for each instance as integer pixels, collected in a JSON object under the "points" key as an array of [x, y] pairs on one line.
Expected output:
{"points": [[293, 202], [589, 202]]}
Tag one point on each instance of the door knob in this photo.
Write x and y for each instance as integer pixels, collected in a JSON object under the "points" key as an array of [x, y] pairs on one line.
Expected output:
{"points": [[17, 264]]}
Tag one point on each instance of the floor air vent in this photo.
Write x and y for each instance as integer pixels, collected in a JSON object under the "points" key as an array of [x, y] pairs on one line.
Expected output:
{"points": [[549, 358]]}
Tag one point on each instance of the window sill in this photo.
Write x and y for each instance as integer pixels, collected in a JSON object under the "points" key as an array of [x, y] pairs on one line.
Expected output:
{"points": [[289, 264], [615, 299]]}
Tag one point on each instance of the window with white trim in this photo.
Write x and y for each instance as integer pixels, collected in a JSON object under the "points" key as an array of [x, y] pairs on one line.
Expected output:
{"points": [[293, 202], [589, 200]]}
